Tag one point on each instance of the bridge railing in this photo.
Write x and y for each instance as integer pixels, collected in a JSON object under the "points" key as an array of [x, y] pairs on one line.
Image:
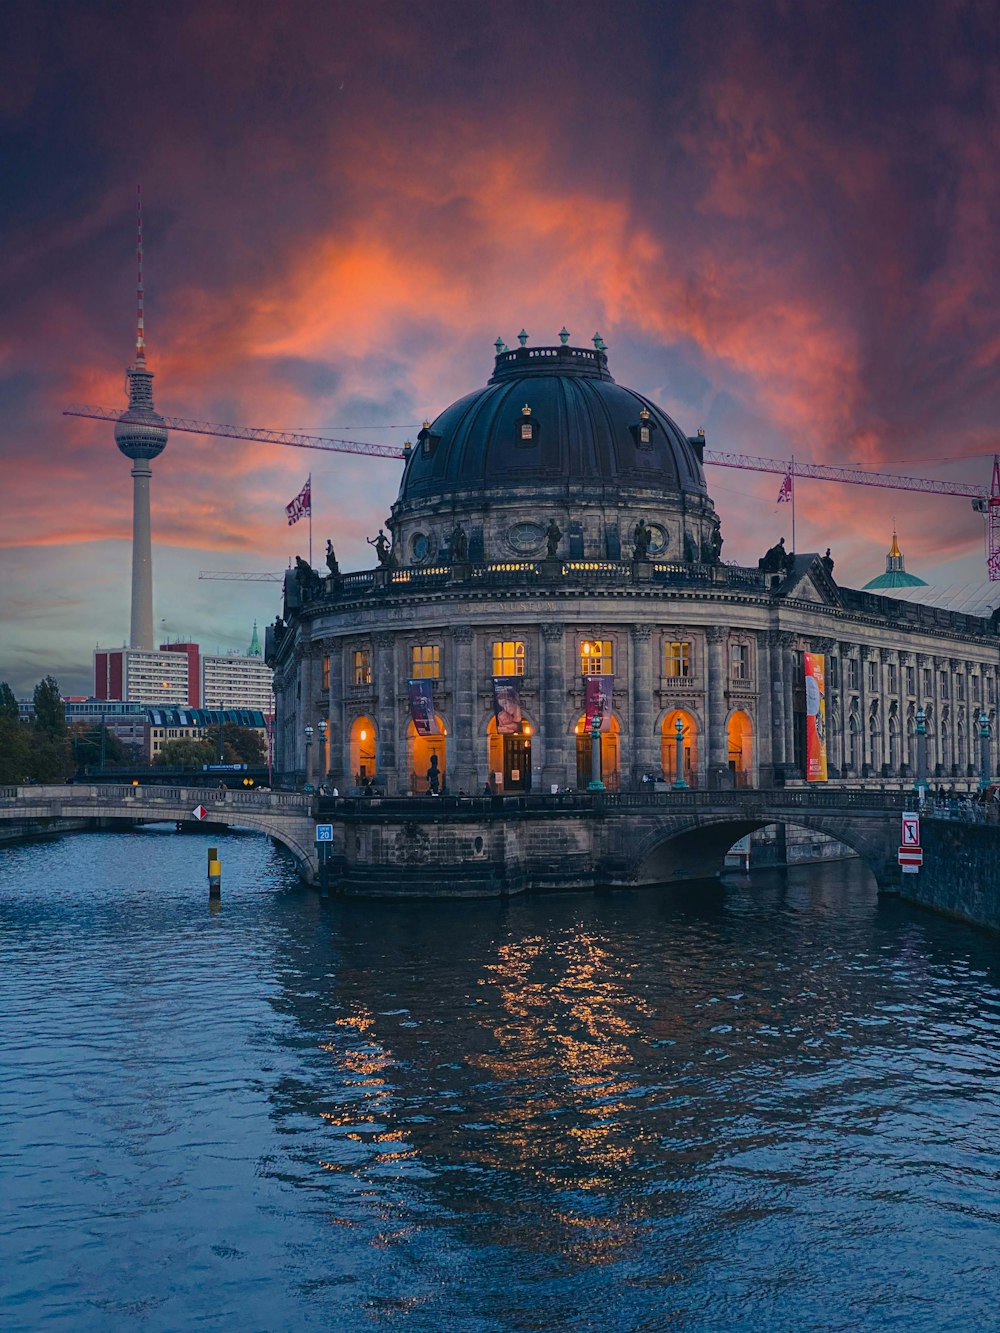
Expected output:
{"points": [[105, 795]]}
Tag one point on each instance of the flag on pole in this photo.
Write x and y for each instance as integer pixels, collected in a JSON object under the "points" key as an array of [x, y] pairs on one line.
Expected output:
{"points": [[301, 506], [785, 494]]}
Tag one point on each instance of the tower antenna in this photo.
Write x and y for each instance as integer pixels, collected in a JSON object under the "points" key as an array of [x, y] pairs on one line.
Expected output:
{"points": [[140, 333]]}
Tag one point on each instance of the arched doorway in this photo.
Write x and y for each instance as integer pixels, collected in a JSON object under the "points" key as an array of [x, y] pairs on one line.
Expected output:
{"points": [[363, 767], [740, 736], [668, 747], [509, 755], [420, 755], [610, 755]]}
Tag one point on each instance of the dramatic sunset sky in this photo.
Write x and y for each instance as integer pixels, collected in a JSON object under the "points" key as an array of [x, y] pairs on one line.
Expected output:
{"points": [[782, 217]]}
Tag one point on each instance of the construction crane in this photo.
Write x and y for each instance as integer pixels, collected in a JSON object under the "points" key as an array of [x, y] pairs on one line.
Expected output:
{"points": [[983, 500], [241, 576]]}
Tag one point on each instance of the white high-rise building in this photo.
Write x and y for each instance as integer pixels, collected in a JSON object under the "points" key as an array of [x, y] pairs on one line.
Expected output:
{"points": [[238, 680]]}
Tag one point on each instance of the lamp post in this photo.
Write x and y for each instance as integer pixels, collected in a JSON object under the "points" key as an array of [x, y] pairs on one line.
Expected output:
{"points": [[679, 783], [984, 751], [595, 783], [309, 737], [323, 726], [921, 733]]}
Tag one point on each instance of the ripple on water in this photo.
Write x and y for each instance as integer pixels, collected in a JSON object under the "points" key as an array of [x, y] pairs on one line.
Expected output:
{"points": [[771, 1105]]}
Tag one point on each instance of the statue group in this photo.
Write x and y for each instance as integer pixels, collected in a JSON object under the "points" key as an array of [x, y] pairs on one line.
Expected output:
{"points": [[383, 550], [776, 560]]}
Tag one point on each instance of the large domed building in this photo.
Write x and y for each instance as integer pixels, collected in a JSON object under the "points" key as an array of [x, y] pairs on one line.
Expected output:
{"points": [[555, 553]]}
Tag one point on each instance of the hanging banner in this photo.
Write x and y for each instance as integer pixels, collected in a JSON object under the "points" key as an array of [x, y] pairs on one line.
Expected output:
{"points": [[815, 671], [507, 704], [597, 699], [421, 694]]}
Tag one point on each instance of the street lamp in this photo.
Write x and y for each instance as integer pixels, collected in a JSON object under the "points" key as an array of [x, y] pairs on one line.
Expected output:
{"points": [[595, 783], [309, 738], [984, 751], [323, 726], [920, 728], [679, 782]]}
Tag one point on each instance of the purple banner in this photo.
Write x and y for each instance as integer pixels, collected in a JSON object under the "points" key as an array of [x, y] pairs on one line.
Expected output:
{"points": [[507, 704], [421, 694], [597, 699]]}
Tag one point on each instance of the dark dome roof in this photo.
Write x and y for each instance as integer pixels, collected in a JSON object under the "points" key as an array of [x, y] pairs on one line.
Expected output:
{"points": [[584, 428]]}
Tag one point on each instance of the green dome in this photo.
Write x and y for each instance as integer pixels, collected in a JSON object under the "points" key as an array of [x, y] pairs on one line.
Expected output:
{"points": [[895, 575]]}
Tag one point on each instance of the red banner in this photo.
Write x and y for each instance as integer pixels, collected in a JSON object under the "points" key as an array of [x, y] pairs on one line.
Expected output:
{"points": [[815, 672], [301, 506], [507, 704], [421, 694], [597, 699]]}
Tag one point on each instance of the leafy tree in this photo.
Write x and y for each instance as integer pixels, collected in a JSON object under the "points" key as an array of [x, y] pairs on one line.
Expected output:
{"points": [[14, 737], [8, 703], [185, 753], [87, 742], [50, 712], [241, 745]]}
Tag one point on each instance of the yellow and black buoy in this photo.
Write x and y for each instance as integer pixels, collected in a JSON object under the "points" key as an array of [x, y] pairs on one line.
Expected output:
{"points": [[214, 875]]}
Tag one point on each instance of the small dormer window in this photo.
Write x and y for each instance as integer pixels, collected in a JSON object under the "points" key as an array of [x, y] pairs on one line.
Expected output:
{"points": [[642, 431], [526, 426], [428, 440]]}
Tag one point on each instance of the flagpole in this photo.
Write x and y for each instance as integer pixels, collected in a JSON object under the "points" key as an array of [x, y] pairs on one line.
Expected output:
{"points": [[791, 473], [311, 520]]}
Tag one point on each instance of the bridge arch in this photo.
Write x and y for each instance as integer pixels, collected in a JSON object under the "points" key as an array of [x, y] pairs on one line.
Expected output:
{"points": [[679, 847]]}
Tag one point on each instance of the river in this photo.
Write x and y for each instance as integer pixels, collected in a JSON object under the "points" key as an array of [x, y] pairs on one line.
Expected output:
{"points": [[771, 1105]]}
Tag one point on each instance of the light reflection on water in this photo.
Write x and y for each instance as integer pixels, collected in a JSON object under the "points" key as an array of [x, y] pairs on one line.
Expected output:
{"points": [[771, 1105]]}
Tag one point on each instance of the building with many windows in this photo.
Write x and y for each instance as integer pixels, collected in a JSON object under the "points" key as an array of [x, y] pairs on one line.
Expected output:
{"points": [[555, 552]]}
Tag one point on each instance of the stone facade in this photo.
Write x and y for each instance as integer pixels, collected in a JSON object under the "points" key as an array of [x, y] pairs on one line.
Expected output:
{"points": [[523, 557]]}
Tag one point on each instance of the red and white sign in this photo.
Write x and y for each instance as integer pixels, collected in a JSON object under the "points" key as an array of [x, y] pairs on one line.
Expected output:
{"points": [[911, 829], [199, 812], [911, 858]]}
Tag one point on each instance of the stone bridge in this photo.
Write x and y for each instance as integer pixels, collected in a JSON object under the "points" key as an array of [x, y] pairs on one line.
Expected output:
{"points": [[494, 846], [285, 816]]}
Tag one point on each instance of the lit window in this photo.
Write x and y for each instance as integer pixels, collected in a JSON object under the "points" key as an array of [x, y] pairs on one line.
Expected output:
{"points": [[326, 673], [362, 666], [596, 658], [677, 658], [525, 430], [508, 658], [739, 661], [425, 662]]}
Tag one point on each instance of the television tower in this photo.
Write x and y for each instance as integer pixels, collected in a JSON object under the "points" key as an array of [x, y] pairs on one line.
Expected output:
{"points": [[141, 435]]}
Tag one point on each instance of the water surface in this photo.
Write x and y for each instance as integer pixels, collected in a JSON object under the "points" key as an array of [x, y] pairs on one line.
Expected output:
{"points": [[767, 1106]]}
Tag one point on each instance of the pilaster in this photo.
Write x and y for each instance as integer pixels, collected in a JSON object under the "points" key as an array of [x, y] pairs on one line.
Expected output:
{"points": [[552, 691]]}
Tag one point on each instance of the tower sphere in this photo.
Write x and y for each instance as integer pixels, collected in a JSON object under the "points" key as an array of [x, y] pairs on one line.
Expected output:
{"points": [[140, 431]]}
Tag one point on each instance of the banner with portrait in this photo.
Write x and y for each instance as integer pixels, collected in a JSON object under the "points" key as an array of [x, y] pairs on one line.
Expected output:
{"points": [[815, 672], [507, 704], [597, 700], [421, 694]]}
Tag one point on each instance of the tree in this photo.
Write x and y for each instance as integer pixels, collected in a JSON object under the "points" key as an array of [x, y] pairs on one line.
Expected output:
{"points": [[8, 703], [50, 711], [13, 739], [49, 751], [185, 754], [241, 745], [90, 746]]}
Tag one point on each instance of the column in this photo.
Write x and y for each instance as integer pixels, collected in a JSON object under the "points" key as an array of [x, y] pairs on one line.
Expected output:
{"points": [[641, 711], [864, 653], [552, 696], [778, 755], [845, 650], [718, 746], [385, 712], [462, 758], [788, 686], [763, 740], [339, 759], [905, 757]]}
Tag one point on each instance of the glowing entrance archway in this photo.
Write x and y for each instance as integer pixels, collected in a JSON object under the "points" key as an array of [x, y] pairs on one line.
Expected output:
{"points": [[420, 754], [362, 751], [668, 746], [740, 735], [509, 757], [610, 755]]}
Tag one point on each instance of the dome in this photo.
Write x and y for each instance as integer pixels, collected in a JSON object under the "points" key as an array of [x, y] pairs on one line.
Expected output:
{"points": [[552, 415]]}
